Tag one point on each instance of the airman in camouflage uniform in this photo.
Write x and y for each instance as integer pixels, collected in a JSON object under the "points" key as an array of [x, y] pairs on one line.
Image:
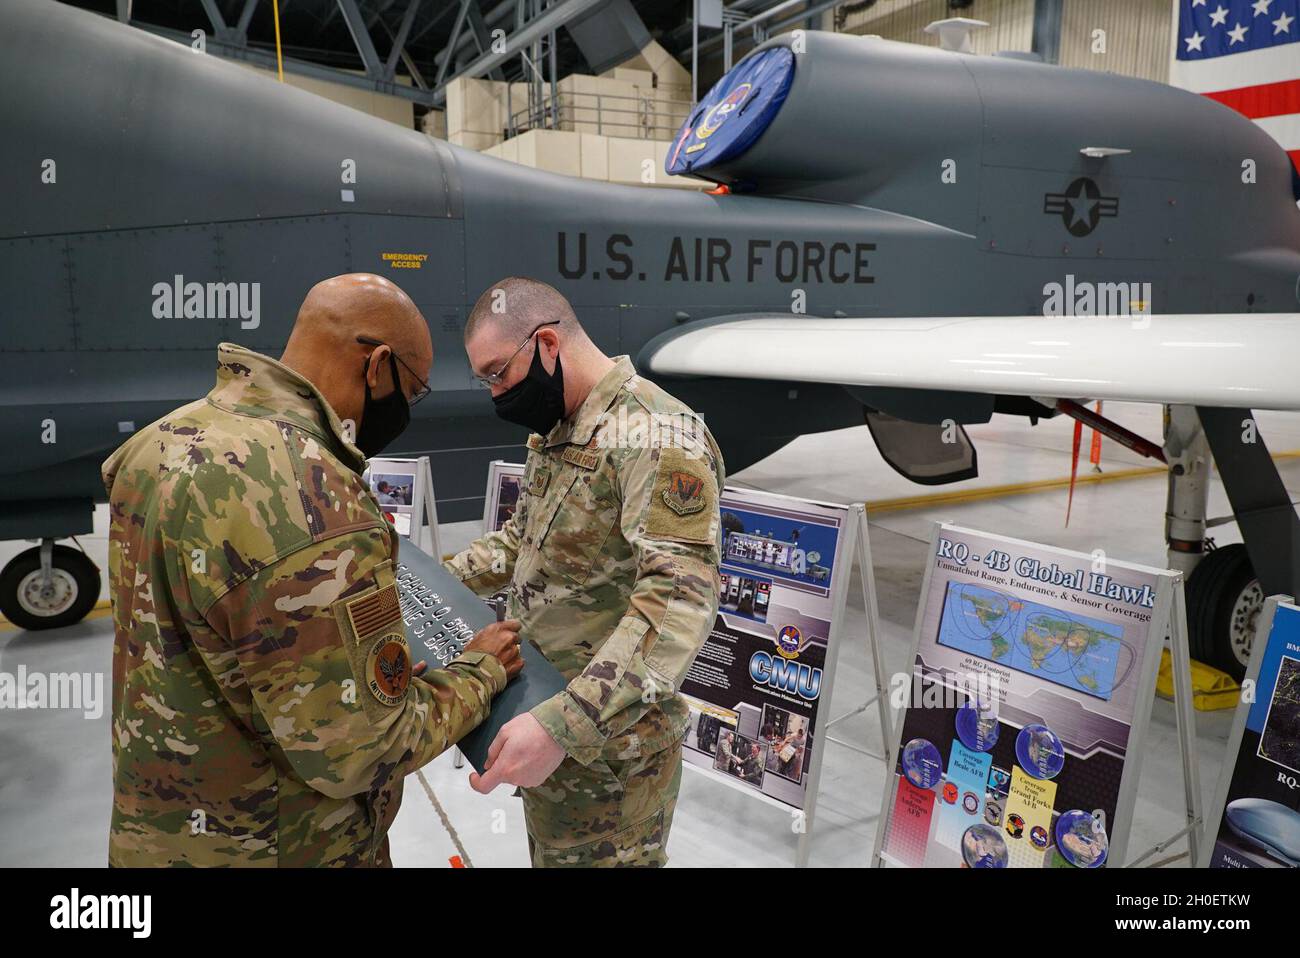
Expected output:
{"points": [[264, 711], [611, 560]]}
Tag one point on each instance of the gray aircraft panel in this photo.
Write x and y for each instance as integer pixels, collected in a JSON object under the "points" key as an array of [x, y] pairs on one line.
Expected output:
{"points": [[43, 264]]}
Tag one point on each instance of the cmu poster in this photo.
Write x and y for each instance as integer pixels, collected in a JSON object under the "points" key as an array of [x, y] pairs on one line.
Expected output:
{"points": [[756, 688]]}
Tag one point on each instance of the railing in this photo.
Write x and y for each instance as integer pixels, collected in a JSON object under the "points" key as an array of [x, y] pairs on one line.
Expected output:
{"points": [[637, 117]]}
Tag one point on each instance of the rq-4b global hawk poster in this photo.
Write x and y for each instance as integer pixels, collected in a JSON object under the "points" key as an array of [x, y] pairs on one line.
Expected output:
{"points": [[1032, 681]]}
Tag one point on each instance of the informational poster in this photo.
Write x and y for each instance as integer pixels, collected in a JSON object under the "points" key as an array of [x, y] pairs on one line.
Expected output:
{"points": [[756, 688], [404, 488], [502, 493], [1255, 821], [1033, 675], [393, 483]]}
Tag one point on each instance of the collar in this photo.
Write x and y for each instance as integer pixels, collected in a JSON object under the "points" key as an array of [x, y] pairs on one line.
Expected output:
{"points": [[579, 428], [251, 384]]}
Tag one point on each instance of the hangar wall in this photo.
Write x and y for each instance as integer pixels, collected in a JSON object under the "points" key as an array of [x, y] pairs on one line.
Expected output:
{"points": [[1137, 36], [1137, 32], [615, 127], [1011, 22]]}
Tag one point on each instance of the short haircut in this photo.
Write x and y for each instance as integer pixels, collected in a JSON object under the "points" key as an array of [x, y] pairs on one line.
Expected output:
{"points": [[516, 305]]}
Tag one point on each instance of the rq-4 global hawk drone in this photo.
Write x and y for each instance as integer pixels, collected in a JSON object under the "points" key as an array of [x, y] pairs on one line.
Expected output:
{"points": [[910, 235]]}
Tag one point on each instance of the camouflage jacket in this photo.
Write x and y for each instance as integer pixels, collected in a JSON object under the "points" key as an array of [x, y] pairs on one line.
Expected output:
{"points": [[611, 558], [263, 707]]}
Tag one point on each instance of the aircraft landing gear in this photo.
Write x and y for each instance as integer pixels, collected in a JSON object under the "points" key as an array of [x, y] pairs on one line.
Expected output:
{"points": [[1224, 596], [1224, 599], [1224, 593], [48, 586]]}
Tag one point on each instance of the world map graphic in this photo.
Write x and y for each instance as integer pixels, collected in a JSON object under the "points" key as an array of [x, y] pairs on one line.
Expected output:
{"points": [[1075, 651]]}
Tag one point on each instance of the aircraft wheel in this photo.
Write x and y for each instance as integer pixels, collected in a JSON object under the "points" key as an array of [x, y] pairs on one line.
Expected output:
{"points": [[1224, 600], [30, 602]]}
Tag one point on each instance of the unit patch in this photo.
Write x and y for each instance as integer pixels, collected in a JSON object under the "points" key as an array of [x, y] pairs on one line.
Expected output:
{"points": [[684, 500], [685, 493], [388, 668]]}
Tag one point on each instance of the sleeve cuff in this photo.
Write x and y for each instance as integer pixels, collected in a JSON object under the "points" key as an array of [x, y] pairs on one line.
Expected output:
{"points": [[461, 566], [486, 666], [569, 725]]}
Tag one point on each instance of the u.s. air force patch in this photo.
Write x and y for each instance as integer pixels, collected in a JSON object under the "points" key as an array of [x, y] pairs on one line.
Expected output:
{"points": [[685, 493], [388, 668], [684, 501]]}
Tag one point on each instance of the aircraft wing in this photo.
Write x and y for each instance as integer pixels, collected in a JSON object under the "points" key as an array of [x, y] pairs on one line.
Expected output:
{"points": [[1236, 360]]}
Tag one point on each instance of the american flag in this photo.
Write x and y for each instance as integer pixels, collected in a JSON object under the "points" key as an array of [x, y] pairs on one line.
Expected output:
{"points": [[1246, 55]]}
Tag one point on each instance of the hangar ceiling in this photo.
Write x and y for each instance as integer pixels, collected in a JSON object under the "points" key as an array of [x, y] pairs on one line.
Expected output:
{"points": [[413, 48]]}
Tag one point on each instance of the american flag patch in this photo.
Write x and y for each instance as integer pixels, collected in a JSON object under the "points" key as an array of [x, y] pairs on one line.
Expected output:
{"points": [[374, 611]]}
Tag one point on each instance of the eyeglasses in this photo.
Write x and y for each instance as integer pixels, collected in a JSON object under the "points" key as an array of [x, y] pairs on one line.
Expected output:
{"points": [[494, 379], [420, 393]]}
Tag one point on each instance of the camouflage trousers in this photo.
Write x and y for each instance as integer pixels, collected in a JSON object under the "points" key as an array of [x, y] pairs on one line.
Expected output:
{"points": [[611, 813]]}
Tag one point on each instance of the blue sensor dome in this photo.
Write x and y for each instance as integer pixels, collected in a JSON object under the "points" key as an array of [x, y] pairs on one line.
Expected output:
{"points": [[734, 114]]}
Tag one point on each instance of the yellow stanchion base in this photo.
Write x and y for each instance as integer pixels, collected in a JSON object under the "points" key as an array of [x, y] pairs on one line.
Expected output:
{"points": [[1211, 688]]}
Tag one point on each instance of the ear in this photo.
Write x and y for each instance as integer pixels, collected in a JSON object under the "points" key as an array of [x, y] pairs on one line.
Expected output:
{"points": [[548, 340], [377, 361]]}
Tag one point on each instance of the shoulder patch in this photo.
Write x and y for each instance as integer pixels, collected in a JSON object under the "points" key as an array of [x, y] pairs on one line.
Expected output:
{"points": [[374, 610], [684, 499], [685, 493], [388, 669], [377, 648]]}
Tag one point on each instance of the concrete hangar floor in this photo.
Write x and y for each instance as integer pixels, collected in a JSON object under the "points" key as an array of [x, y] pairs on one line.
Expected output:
{"points": [[55, 766]]}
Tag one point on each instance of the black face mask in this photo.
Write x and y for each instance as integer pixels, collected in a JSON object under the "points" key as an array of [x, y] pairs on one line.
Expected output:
{"points": [[382, 420], [537, 400]]}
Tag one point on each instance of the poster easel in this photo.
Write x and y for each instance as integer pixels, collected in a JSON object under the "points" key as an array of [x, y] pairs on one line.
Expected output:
{"points": [[418, 520], [867, 582], [1258, 778], [768, 511], [1168, 621], [498, 500], [1184, 716], [858, 546]]}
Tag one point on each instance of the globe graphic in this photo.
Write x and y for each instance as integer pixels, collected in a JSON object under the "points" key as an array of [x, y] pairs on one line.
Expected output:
{"points": [[1039, 751], [976, 731], [982, 846], [922, 763], [1081, 839]]}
